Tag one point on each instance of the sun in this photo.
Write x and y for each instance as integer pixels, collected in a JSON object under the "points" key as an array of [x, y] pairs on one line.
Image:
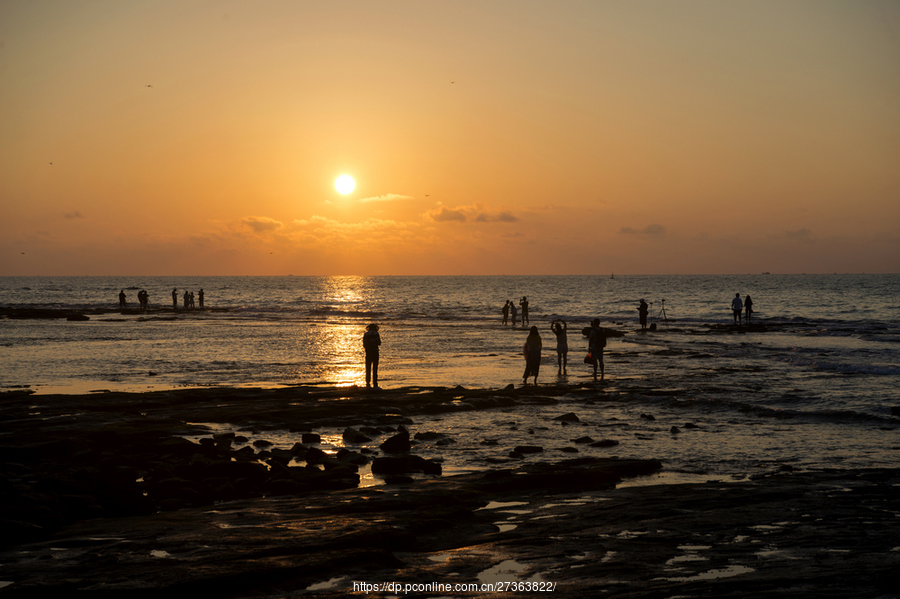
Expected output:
{"points": [[344, 184]]}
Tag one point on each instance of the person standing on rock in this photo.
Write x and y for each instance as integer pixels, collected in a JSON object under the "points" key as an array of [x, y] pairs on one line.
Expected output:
{"points": [[515, 313], [200, 297], [642, 314], [562, 344], [122, 302], [506, 312], [371, 341], [532, 351], [524, 304], [175, 298], [737, 306], [748, 308], [596, 343]]}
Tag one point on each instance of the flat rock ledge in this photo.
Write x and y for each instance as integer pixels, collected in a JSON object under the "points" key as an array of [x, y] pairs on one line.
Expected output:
{"points": [[73, 522]]}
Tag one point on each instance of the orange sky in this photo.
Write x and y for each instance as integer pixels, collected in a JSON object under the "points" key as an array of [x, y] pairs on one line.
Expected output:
{"points": [[514, 137]]}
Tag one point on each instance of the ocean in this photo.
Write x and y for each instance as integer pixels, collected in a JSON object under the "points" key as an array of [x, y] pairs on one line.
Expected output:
{"points": [[810, 386]]}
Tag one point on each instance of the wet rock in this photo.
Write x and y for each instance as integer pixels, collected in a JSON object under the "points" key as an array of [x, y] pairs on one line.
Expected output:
{"points": [[583, 440], [649, 417], [690, 425], [404, 465], [311, 438], [262, 443], [399, 443], [674, 430], [429, 436], [353, 436], [570, 417], [605, 443]]}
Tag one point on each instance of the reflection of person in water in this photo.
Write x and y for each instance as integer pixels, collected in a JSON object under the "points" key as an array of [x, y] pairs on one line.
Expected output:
{"points": [[532, 351], [122, 302], [562, 344], [371, 341]]}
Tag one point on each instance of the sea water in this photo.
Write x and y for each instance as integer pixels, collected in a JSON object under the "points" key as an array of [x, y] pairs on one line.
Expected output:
{"points": [[813, 387]]}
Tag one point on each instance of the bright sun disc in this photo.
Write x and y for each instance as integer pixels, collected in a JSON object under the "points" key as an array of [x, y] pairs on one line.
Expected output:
{"points": [[344, 184]]}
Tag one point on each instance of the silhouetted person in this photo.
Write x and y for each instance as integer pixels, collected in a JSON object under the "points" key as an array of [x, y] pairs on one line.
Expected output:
{"points": [[748, 308], [515, 313], [532, 351], [506, 312], [122, 302], [562, 344], [596, 343], [144, 300], [737, 306], [175, 299], [643, 309], [524, 304], [200, 298], [191, 300], [186, 299], [371, 341]]}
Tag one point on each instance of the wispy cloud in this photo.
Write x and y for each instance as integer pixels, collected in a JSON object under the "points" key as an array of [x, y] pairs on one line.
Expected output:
{"points": [[262, 224], [442, 214], [389, 197], [73, 214], [474, 213], [648, 231], [803, 235]]}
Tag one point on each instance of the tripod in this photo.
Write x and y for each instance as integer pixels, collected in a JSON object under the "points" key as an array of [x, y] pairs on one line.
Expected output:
{"points": [[662, 312]]}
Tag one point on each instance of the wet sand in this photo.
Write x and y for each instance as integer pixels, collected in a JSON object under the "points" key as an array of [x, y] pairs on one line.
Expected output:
{"points": [[101, 494]]}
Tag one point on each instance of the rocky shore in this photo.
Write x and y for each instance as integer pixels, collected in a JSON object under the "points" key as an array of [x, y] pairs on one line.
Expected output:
{"points": [[105, 493]]}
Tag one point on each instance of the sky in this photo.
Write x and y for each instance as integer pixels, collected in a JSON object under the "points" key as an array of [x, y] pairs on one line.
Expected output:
{"points": [[484, 137]]}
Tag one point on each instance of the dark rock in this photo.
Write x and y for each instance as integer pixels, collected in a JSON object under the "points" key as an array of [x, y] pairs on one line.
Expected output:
{"points": [[605, 443], [311, 438], [399, 443], [77, 317], [649, 417], [582, 440], [314, 455], [429, 436], [404, 465], [570, 417], [262, 443], [674, 430], [690, 425], [523, 449], [351, 435], [895, 410]]}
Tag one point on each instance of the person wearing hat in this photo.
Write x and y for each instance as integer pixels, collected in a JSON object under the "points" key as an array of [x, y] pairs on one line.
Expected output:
{"points": [[642, 313], [371, 341]]}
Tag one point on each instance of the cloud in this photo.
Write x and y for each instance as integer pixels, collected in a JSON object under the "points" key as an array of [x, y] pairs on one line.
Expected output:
{"points": [[500, 217], [73, 214], [390, 197], [443, 214], [803, 235], [648, 231], [476, 213], [262, 224]]}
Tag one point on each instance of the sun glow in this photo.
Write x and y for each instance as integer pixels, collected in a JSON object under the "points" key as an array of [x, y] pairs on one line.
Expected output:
{"points": [[344, 184]]}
